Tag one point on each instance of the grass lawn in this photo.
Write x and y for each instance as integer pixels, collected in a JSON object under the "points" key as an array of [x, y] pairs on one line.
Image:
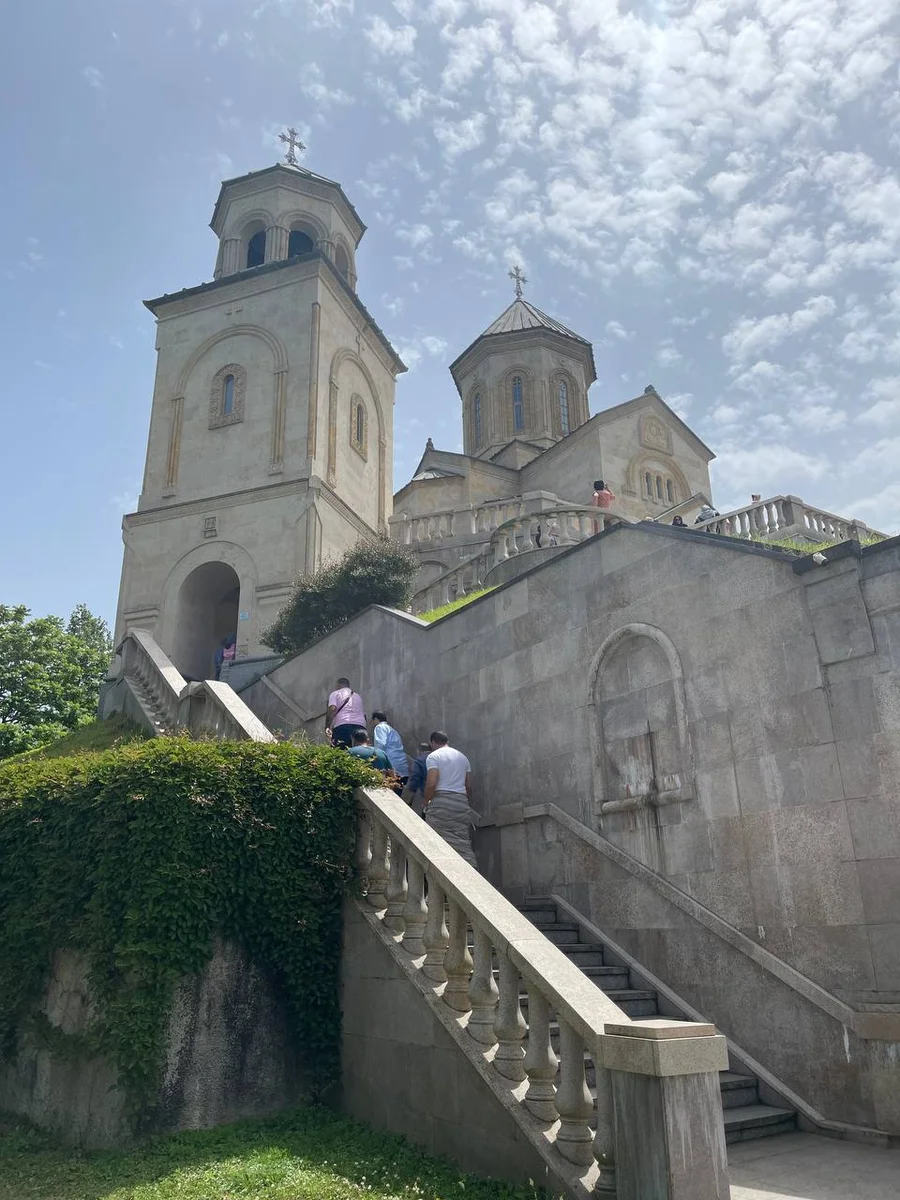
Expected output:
{"points": [[435, 614], [306, 1154], [96, 735]]}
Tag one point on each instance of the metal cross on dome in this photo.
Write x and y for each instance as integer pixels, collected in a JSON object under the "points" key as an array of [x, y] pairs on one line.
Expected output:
{"points": [[516, 274], [293, 143]]}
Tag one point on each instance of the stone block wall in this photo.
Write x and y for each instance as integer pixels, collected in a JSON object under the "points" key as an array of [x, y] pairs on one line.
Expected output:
{"points": [[229, 1055], [731, 722]]}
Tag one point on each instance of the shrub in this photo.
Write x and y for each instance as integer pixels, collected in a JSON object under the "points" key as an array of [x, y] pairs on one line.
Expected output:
{"points": [[378, 571], [140, 856]]}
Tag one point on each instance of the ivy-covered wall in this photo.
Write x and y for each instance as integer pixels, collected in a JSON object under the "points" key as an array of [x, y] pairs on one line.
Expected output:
{"points": [[144, 862]]}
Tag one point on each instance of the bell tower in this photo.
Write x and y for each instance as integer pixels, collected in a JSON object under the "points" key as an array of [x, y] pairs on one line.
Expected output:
{"points": [[271, 424]]}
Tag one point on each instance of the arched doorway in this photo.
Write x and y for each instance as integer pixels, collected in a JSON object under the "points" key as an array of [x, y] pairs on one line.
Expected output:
{"points": [[208, 603]]}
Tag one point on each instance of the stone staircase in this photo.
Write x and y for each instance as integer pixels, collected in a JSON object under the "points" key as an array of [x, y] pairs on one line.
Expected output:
{"points": [[746, 1116]]}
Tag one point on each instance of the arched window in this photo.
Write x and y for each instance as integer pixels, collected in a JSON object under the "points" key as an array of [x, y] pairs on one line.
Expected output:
{"points": [[649, 482], [256, 249], [228, 396], [670, 491], [518, 403], [659, 487], [359, 426], [299, 243], [476, 420], [563, 407], [342, 261]]}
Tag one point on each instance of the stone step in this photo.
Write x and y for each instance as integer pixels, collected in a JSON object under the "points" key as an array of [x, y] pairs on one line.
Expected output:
{"points": [[757, 1121], [584, 954], [738, 1091], [561, 935], [540, 913]]}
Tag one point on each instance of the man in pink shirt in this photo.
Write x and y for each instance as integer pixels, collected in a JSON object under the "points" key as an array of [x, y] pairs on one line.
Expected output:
{"points": [[602, 498], [345, 714]]}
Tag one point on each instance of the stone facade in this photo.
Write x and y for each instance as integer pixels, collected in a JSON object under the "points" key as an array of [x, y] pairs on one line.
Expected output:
{"points": [[723, 714], [271, 426]]}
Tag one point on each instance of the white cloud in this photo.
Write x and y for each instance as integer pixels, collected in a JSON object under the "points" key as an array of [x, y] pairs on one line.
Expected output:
{"points": [[416, 235], [751, 336], [317, 90], [93, 76], [390, 40], [457, 137]]}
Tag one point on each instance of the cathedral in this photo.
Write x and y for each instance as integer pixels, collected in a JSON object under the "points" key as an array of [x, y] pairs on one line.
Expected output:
{"points": [[271, 429]]}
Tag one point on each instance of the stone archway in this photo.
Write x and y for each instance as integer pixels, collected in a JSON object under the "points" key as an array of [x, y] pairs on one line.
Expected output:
{"points": [[207, 611]]}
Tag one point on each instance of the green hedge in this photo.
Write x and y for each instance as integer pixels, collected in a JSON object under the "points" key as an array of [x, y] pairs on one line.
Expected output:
{"points": [[140, 856]]}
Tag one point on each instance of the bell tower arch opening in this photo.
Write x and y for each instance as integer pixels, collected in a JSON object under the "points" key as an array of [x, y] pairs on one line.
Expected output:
{"points": [[207, 613]]}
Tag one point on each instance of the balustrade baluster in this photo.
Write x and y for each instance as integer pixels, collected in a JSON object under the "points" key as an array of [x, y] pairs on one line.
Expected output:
{"points": [[378, 867], [483, 993], [540, 1060], [436, 937], [395, 895], [604, 1147], [509, 1025], [574, 1139], [415, 911], [363, 855], [445, 592], [457, 961]]}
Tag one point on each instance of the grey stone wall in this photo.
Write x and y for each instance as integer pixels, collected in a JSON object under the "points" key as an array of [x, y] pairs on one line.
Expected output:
{"points": [[730, 721], [229, 1055]]}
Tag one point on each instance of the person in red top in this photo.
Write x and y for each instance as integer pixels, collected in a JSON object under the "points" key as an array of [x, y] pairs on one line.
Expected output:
{"points": [[602, 498]]}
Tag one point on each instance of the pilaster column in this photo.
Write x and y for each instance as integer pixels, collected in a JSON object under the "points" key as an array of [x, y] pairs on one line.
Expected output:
{"points": [[332, 432], [382, 460], [313, 414], [171, 480], [279, 400], [276, 243], [231, 256]]}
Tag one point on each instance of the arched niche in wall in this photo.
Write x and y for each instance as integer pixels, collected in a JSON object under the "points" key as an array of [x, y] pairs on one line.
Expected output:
{"points": [[641, 743]]}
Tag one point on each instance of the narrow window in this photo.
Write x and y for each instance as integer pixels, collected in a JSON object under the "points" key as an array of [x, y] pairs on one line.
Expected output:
{"points": [[299, 243], [342, 262], [228, 396], [659, 487], [476, 419], [670, 491], [360, 425], [649, 482], [256, 249], [518, 404], [563, 407]]}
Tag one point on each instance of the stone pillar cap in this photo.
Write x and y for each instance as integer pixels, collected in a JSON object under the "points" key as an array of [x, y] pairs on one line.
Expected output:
{"points": [[658, 1028]]}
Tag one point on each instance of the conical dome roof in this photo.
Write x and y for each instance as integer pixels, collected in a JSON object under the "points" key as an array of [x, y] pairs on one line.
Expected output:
{"points": [[522, 315]]}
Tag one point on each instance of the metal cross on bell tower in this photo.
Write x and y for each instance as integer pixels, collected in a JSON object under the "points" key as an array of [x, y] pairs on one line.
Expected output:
{"points": [[516, 274], [293, 143]]}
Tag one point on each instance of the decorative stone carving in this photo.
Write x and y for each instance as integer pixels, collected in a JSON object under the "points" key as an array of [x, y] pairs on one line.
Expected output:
{"points": [[655, 434], [217, 414], [210, 528]]}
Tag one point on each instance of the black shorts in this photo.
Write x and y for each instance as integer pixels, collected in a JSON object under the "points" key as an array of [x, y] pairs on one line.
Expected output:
{"points": [[342, 735]]}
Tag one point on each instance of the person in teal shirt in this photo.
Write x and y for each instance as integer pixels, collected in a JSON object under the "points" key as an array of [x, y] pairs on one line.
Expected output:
{"points": [[369, 754]]}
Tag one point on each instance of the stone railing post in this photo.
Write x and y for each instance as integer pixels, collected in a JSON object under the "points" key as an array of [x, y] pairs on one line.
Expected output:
{"points": [[415, 911], [457, 961], [509, 1025], [575, 1141], [669, 1134], [540, 1062], [395, 895], [436, 938], [483, 993], [378, 867]]}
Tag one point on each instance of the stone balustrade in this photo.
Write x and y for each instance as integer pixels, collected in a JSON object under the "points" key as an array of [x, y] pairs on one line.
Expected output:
{"points": [[543, 1028], [463, 523], [564, 526], [786, 517], [157, 677], [166, 702]]}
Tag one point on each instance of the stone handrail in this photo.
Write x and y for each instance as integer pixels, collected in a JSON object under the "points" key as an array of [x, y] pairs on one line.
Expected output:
{"points": [[207, 709], [142, 660], [397, 856], [429, 898], [785, 516], [461, 580]]}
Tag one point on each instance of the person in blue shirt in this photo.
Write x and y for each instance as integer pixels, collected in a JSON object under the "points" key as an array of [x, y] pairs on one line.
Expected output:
{"points": [[414, 792], [387, 738], [371, 755]]}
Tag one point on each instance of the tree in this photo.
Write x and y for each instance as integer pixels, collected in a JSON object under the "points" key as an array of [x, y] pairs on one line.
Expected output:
{"points": [[50, 674], [377, 571]]}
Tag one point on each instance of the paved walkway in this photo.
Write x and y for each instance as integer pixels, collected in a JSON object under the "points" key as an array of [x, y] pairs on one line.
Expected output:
{"points": [[801, 1166]]}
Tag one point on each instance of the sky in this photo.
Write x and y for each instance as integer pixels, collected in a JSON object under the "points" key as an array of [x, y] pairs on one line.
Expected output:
{"points": [[708, 191]]}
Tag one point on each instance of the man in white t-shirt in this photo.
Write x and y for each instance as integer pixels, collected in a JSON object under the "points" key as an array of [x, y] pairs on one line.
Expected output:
{"points": [[448, 795]]}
